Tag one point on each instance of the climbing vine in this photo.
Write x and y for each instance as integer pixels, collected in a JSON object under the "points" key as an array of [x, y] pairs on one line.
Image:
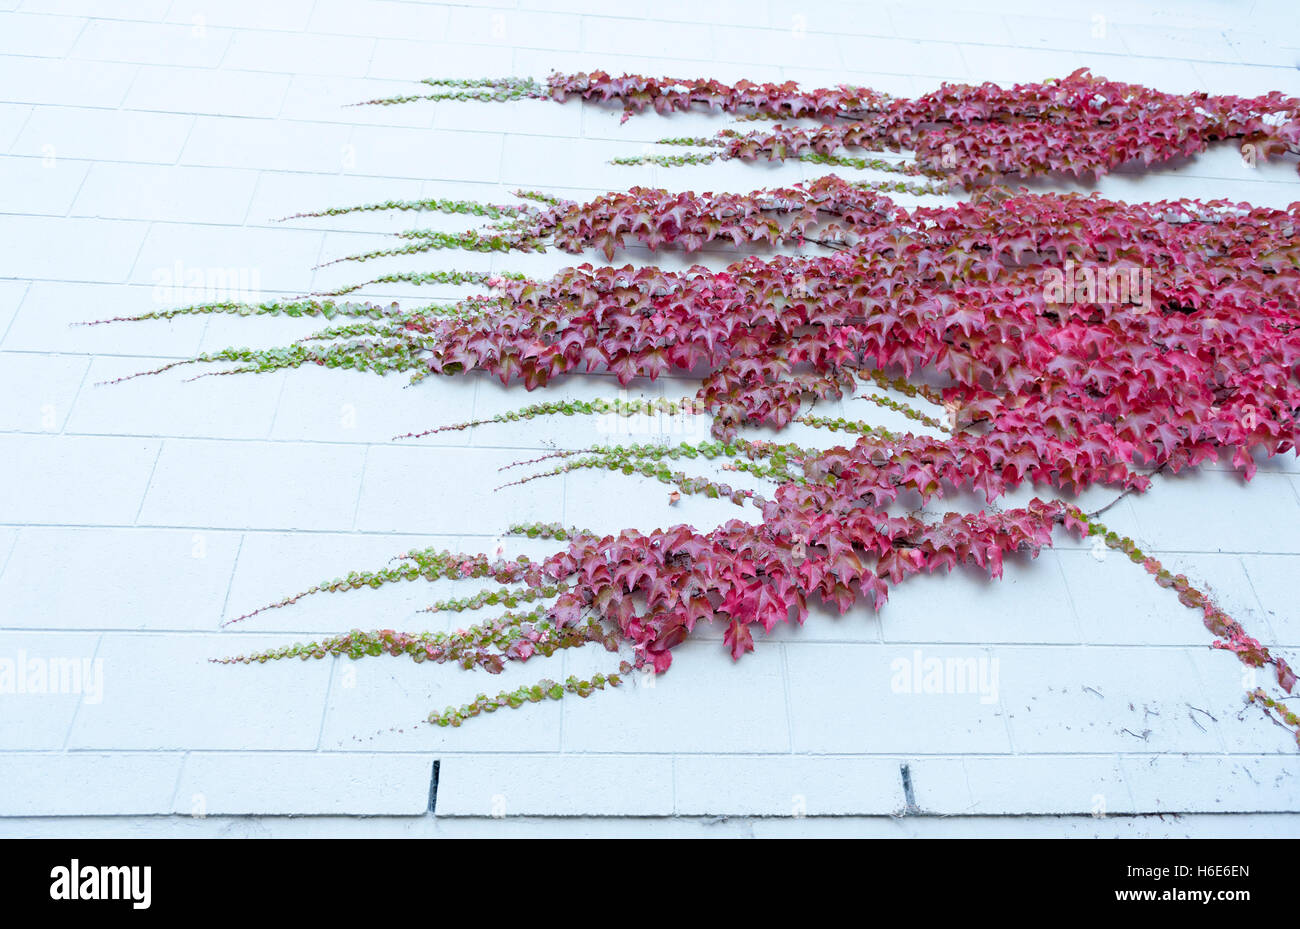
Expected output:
{"points": [[1057, 340]]}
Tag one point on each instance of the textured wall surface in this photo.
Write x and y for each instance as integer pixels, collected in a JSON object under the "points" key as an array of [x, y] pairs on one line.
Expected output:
{"points": [[145, 141]]}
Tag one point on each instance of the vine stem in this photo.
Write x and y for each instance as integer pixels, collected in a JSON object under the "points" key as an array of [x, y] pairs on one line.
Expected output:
{"points": [[1123, 494]]}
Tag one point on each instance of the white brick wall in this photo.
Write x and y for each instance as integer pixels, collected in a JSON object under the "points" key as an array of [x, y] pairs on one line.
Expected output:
{"points": [[135, 518]]}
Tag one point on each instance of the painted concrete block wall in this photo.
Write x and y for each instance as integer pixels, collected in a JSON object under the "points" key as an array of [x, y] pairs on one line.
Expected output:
{"points": [[145, 139]]}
